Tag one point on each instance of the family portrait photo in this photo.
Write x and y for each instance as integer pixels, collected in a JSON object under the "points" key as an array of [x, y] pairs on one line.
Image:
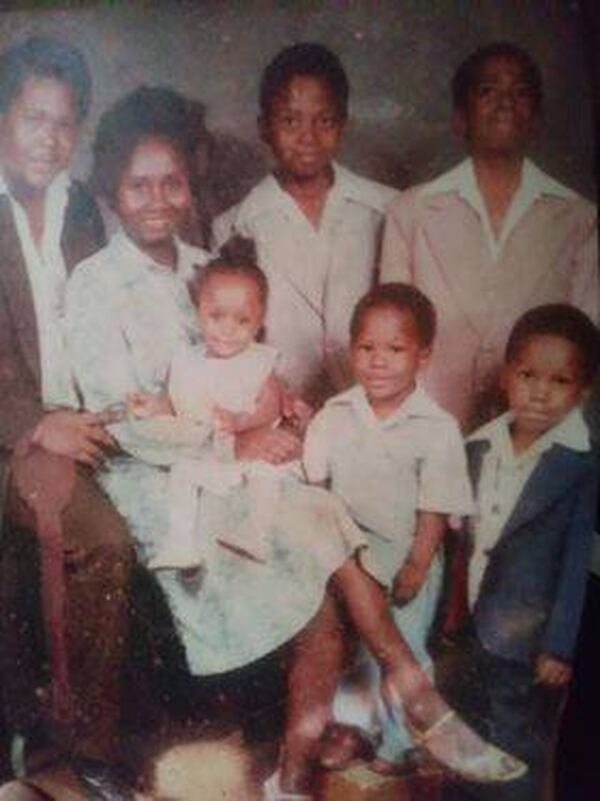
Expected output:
{"points": [[299, 400]]}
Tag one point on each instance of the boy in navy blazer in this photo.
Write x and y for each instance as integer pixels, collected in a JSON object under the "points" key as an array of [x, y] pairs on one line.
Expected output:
{"points": [[535, 478]]}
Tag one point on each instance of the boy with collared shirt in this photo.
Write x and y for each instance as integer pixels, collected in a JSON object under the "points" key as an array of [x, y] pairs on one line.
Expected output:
{"points": [[492, 237], [316, 225], [48, 223], [535, 477], [397, 461]]}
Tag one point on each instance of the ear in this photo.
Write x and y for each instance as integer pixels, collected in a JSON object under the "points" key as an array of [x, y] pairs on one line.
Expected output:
{"points": [[459, 123], [503, 378], [424, 356]]}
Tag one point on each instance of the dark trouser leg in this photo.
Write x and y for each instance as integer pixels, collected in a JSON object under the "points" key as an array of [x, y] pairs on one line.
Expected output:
{"points": [[523, 718], [99, 555]]}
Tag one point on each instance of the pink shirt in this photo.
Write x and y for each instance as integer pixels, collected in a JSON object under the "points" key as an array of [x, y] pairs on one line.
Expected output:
{"points": [[438, 237]]}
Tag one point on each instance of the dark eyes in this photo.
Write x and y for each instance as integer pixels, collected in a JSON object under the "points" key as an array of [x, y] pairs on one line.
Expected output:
{"points": [[493, 91], [561, 380], [293, 122]]}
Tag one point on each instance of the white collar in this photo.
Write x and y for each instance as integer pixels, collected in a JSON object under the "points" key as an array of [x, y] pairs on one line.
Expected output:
{"points": [[534, 183], [417, 405], [268, 194], [134, 264], [571, 432], [58, 187]]}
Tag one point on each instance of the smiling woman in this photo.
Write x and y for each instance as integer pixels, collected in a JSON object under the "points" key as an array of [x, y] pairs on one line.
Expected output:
{"points": [[142, 154]]}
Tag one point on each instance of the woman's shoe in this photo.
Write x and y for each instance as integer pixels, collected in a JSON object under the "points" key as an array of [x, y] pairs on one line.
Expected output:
{"points": [[452, 743], [490, 764]]}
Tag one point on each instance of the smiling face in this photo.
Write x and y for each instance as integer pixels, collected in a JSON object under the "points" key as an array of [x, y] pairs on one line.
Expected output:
{"points": [[231, 313], [303, 128], [153, 197], [501, 114], [543, 383], [387, 354], [38, 133]]}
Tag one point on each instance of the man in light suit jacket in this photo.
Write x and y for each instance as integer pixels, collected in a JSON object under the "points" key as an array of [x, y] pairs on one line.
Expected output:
{"points": [[492, 237], [48, 223]]}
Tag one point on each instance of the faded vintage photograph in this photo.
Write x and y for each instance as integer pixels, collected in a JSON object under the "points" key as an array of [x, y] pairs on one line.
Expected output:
{"points": [[299, 400]]}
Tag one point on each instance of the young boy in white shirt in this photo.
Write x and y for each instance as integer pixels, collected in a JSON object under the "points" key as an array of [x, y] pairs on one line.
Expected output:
{"points": [[397, 461], [317, 226]]}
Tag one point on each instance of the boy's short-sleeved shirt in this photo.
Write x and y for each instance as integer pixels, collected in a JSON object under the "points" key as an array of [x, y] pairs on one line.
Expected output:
{"points": [[503, 477], [387, 470], [316, 275]]}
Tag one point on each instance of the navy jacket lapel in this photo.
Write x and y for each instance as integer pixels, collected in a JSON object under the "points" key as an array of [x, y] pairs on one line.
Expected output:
{"points": [[13, 274], [558, 469]]}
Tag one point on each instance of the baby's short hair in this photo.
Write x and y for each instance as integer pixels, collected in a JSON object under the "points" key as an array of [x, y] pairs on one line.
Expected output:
{"points": [[558, 320], [467, 74], [402, 298], [43, 57], [236, 257], [304, 58]]}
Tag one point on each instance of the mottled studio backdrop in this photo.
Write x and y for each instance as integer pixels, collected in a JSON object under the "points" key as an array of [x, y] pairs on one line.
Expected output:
{"points": [[400, 56]]}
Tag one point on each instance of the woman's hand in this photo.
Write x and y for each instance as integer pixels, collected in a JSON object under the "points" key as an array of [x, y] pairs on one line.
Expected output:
{"points": [[295, 412], [78, 435], [273, 445]]}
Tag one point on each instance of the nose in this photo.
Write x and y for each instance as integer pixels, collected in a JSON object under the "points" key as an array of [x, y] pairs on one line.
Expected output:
{"points": [[378, 359], [539, 390], [228, 326], [506, 98], [308, 132], [50, 134], [157, 196]]}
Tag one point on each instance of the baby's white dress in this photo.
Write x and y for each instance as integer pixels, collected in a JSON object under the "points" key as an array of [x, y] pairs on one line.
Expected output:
{"points": [[198, 382]]}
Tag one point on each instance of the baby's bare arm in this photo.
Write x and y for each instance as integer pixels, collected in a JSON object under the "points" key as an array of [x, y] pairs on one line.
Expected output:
{"points": [[412, 574]]}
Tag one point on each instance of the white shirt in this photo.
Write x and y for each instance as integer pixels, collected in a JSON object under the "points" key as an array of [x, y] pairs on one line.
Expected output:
{"points": [[126, 316], [534, 184], [387, 470], [316, 275], [504, 474], [47, 275]]}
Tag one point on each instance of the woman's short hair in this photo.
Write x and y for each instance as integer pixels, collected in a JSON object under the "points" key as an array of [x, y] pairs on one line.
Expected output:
{"points": [[236, 257], [146, 113], [469, 71], [558, 320], [43, 57], [402, 298], [304, 58]]}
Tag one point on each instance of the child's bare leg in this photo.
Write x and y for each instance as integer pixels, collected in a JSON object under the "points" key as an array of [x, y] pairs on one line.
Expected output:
{"points": [[312, 680], [408, 690]]}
